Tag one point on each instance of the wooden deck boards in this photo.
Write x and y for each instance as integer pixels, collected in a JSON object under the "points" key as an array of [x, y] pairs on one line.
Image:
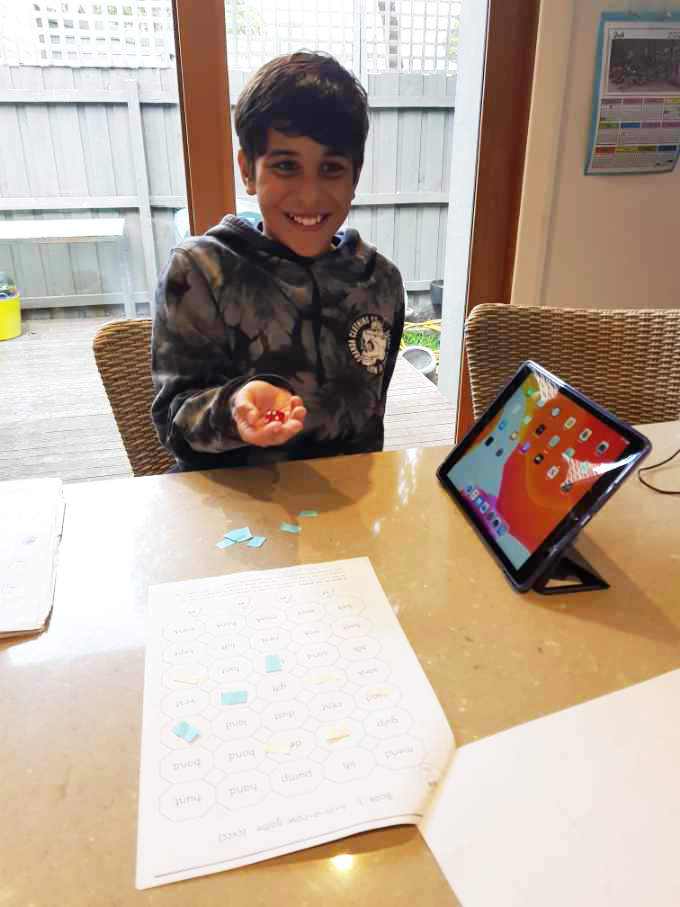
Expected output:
{"points": [[55, 418]]}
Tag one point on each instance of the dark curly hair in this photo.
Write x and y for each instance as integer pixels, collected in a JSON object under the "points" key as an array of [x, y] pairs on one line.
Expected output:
{"points": [[304, 94]]}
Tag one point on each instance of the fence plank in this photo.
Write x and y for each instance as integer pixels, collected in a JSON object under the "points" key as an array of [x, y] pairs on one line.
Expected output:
{"points": [[73, 154], [13, 173], [91, 261], [98, 143], [57, 264], [409, 151], [28, 273], [109, 260], [40, 170], [155, 139], [142, 186], [432, 176], [119, 130], [400, 206], [365, 184], [441, 245], [87, 265], [66, 140], [164, 235], [384, 175], [35, 129], [361, 219], [173, 138], [433, 131]]}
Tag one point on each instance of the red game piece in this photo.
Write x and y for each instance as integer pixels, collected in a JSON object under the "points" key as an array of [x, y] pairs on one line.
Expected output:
{"points": [[274, 415]]}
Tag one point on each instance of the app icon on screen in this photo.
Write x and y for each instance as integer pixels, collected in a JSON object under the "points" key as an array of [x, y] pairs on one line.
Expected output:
{"points": [[568, 453], [554, 441], [566, 487], [530, 391], [523, 448], [502, 529], [514, 435], [541, 402], [584, 468], [479, 502], [526, 420], [502, 424], [555, 411], [552, 472], [489, 441], [484, 507], [602, 447], [538, 459], [540, 429], [570, 422], [468, 489], [490, 515], [517, 408], [495, 522], [474, 493], [585, 434], [499, 452]]}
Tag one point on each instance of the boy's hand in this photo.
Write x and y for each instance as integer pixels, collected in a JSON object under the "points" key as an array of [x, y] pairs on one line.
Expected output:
{"points": [[267, 415]]}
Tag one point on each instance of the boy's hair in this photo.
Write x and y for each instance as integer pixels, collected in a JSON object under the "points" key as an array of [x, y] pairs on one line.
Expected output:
{"points": [[304, 94]]}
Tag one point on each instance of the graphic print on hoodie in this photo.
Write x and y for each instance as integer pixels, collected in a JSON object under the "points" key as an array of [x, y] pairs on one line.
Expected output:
{"points": [[233, 305]]}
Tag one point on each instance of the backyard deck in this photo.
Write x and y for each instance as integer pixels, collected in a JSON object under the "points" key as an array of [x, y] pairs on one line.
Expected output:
{"points": [[55, 418]]}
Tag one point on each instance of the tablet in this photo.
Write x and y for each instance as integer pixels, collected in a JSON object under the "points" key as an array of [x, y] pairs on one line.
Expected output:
{"points": [[534, 469]]}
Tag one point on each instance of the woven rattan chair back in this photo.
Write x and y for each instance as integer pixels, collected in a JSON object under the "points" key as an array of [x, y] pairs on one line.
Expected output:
{"points": [[122, 350], [626, 360]]}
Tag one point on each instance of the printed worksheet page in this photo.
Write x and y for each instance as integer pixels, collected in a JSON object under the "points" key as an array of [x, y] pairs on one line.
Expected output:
{"points": [[282, 709]]}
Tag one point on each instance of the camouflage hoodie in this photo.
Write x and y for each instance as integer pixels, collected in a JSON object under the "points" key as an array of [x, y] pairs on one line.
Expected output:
{"points": [[233, 305]]}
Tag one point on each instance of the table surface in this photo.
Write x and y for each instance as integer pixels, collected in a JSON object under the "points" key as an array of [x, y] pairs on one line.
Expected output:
{"points": [[63, 230], [72, 697]]}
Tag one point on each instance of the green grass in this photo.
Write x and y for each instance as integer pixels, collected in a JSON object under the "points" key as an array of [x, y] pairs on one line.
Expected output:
{"points": [[422, 338]]}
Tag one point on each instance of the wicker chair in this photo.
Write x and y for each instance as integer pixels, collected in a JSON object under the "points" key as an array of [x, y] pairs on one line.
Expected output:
{"points": [[122, 350], [627, 360]]}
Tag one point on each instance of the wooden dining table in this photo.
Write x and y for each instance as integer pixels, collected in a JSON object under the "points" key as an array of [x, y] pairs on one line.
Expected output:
{"points": [[71, 697]]}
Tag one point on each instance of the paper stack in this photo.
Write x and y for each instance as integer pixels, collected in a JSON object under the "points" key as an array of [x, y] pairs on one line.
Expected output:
{"points": [[31, 517]]}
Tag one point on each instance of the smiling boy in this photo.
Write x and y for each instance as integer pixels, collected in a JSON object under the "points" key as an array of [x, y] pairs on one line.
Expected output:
{"points": [[280, 343]]}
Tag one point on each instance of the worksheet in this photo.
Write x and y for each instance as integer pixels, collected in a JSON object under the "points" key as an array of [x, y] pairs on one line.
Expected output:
{"points": [[282, 709]]}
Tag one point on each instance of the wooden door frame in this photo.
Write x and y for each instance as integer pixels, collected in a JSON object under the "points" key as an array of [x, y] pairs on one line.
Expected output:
{"points": [[203, 82], [512, 30]]}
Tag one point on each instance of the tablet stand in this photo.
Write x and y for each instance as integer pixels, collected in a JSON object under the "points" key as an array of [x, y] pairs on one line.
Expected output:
{"points": [[571, 565]]}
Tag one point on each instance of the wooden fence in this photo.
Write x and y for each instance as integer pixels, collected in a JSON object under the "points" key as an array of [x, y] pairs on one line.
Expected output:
{"points": [[81, 143]]}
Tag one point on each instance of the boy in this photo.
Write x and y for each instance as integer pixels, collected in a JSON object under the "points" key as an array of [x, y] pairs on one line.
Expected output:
{"points": [[280, 343]]}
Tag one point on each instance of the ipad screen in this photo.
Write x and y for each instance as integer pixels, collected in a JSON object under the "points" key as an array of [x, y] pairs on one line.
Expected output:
{"points": [[532, 463]]}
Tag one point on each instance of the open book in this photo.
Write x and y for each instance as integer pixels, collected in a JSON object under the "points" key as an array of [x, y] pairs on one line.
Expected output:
{"points": [[581, 807], [282, 709], [31, 517]]}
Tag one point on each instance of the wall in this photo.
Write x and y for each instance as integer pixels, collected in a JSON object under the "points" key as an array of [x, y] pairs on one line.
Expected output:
{"points": [[600, 241], [89, 143]]}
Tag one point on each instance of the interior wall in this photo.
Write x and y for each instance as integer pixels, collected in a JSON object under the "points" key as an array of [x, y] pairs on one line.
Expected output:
{"points": [[588, 241]]}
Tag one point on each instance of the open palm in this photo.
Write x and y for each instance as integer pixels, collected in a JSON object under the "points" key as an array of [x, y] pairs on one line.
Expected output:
{"points": [[251, 405]]}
